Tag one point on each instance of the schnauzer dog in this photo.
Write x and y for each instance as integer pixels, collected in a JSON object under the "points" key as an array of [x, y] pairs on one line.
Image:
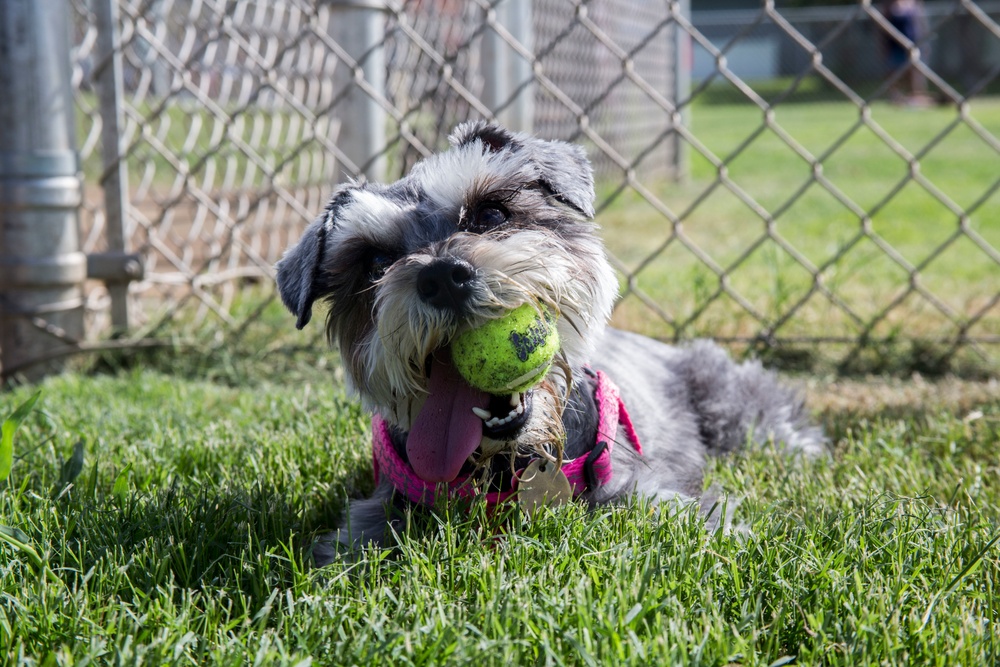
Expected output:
{"points": [[499, 220]]}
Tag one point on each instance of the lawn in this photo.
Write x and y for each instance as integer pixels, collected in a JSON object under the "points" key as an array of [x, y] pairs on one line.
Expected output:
{"points": [[168, 519], [841, 232]]}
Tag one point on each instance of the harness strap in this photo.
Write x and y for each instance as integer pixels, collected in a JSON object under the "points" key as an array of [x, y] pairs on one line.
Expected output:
{"points": [[584, 472]]}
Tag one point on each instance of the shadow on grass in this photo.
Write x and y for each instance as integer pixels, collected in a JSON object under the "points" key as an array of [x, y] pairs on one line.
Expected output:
{"points": [[244, 540], [235, 363], [894, 357], [186, 538]]}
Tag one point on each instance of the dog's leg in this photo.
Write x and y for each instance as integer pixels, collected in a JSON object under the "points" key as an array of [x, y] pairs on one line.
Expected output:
{"points": [[737, 404], [690, 402], [696, 394], [367, 522]]}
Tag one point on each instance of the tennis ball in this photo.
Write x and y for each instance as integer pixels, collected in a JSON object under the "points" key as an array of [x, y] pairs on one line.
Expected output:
{"points": [[509, 354]]}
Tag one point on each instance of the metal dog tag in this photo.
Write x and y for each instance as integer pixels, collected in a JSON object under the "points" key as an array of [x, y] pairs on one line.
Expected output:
{"points": [[543, 483]]}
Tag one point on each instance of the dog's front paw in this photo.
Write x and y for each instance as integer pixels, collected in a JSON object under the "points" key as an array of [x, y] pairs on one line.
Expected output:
{"points": [[368, 522], [333, 547]]}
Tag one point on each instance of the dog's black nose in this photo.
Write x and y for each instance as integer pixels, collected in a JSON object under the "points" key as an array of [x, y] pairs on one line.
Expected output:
{"points": [[446, 283]]}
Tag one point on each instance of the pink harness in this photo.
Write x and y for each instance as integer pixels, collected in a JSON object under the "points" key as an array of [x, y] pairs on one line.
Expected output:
{"points": [[611, 415]]}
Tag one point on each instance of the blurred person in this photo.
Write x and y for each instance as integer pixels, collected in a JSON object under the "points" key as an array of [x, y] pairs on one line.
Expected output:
{"points": [[906, 16]]}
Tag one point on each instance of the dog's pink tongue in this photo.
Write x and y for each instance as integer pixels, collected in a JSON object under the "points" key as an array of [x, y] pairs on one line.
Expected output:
{"points": [[446, 431]]}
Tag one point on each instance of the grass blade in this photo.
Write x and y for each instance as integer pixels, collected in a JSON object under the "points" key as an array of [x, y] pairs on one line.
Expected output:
{"points": [[73, 466], [7, 437], [19, 541], [954, 582], [120, 489]]}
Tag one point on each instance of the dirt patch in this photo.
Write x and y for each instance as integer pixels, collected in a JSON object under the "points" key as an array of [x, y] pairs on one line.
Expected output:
{"points": [[881, 396]]}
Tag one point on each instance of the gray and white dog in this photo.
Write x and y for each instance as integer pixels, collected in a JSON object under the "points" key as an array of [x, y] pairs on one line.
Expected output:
{"points": [[499, 220]]}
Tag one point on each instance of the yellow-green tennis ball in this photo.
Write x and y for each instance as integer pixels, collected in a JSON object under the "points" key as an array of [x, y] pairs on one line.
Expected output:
{"points": [[509, 354]]}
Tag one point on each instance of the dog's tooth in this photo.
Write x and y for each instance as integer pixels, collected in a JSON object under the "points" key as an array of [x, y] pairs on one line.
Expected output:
{"points": [[494, 422], [515, 399]]}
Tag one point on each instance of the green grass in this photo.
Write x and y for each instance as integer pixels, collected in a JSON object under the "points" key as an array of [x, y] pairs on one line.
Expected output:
{"points": [[957, 162], [884, 554]]}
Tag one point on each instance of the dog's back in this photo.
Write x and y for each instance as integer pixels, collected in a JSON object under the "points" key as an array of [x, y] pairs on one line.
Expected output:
{"points": [[690, 401]]}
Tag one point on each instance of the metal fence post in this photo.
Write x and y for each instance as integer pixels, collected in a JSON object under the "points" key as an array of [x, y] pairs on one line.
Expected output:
{"points": [[358, 26], [496, 73], [41, 267], [507, 89], [682, 89], [114, 179], [521, 26]]}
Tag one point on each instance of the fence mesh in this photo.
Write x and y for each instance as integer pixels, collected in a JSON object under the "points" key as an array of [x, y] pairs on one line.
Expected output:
{"points": [[804, 190]]}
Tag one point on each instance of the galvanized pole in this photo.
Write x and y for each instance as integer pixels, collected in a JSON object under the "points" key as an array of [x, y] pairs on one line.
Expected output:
{"points": [[521, 26], [496, 71], [682, 89], [508, 89], [108, 76], [358, 26], [41, 267]]}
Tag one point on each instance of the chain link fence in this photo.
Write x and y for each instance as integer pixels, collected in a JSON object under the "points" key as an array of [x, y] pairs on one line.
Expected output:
{"points": [[782, 179]]}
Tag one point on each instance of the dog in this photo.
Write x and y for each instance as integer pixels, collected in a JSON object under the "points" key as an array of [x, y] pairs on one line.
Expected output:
{"points": [[499, 220]]}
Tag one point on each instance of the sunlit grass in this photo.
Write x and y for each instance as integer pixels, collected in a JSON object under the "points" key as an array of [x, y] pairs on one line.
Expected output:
{"points": [[882, 554], [870, 198]]}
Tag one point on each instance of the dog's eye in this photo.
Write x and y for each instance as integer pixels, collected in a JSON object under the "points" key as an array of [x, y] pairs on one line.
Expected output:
{"points": [[487, 217], [378, 263]]}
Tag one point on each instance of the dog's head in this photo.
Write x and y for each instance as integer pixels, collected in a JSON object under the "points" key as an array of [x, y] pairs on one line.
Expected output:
{"points": [[499, 220]]}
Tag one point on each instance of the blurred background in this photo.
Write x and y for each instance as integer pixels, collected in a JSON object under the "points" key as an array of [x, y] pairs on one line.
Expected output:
{"points": [[813, 183]]}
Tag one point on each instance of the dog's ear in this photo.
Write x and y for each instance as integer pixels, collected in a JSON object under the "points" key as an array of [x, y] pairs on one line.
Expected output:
{"points": [[564, 168], [566, 171], [298, 273]]}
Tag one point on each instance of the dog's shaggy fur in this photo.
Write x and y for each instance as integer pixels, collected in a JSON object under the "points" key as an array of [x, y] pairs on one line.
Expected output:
{"points": [[500, 220]]}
